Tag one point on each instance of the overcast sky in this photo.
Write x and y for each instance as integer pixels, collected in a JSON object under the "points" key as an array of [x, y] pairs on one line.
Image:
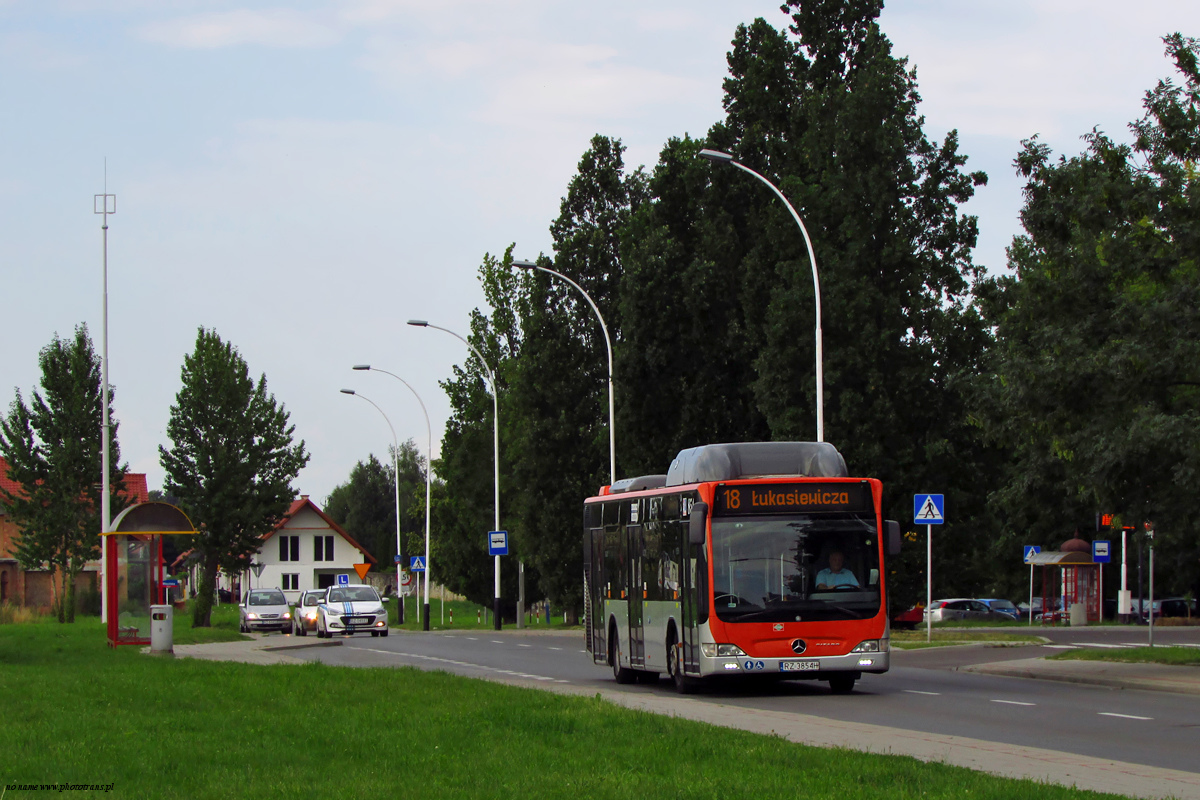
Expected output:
{"points": [[304, 177]]}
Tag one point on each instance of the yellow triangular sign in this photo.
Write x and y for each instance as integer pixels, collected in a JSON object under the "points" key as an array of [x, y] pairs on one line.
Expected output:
{"points": [[362, 570]]}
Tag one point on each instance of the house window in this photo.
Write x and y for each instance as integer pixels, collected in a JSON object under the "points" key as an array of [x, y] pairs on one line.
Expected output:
{"points": [[322, 548], [289, 548], [291, 582]]}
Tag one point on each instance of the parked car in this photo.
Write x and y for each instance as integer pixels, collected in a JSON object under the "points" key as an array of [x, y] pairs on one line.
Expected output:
{"points": [[961, 608], [908, 620], [1175, 607], [351, 609], [1002, 606], [304, 618], [264, 610]]}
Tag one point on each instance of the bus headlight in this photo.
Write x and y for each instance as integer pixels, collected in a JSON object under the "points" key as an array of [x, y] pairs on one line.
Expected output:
{"points": [[712, 650], [871, 646]]}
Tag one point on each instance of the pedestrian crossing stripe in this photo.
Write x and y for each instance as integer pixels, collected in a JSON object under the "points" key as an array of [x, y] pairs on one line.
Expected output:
{"points": [[927, 509]]}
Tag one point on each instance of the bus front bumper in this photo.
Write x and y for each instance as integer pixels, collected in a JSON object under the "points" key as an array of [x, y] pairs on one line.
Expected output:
{"points": [[798, 667]]}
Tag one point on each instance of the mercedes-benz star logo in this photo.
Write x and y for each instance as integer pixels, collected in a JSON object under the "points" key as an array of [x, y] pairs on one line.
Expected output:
{"points": [[798, 646]]}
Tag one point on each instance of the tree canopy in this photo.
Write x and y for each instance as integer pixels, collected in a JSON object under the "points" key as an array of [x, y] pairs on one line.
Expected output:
{"points": [[231, 462], [53, 449]]}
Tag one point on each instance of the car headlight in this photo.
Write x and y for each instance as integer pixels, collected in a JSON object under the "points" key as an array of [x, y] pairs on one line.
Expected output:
{"points": [[711, 650], [871, 646], [287, 615], [251, 615], [310, 615]]}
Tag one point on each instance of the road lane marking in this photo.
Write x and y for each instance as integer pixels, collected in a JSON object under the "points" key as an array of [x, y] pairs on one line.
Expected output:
{"points": [[1014, 703], [524, 645], [497, 641], [917, 691], [1123, 716], [472, 639], [1098, 644], [484, 667], [554, 648], [1061, 646]]}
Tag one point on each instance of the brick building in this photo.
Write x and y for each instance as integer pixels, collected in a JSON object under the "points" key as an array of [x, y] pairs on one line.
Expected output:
{"points": [[33, 587]]}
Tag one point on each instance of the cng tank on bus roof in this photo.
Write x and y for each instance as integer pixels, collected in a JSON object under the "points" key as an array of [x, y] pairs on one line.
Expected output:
{"points": [[726, 462]]}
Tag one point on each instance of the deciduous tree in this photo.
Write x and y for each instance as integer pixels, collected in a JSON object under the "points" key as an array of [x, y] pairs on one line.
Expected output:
{"points": [[231, 462]]}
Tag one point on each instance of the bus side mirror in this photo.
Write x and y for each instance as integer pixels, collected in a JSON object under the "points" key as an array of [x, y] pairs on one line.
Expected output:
{"points": [[892, 531], [697, 521]]}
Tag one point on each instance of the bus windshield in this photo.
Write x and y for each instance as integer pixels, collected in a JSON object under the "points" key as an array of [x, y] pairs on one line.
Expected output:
{"points": [[804, 567]]}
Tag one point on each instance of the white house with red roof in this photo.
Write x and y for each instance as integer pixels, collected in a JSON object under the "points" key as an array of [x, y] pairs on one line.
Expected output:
{"points": [[307, 550]]}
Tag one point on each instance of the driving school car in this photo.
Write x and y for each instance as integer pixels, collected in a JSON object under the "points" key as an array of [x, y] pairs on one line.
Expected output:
{"points": [[351, 609]]}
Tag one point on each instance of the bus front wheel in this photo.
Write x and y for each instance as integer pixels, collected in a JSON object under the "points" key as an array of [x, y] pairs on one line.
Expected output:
{"points": [[683, 684], [620, 674], [842, 683]]}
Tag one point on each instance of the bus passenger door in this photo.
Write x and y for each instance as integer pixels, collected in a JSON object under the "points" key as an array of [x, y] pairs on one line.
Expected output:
{"points": [[595, 578], [637, 592]]}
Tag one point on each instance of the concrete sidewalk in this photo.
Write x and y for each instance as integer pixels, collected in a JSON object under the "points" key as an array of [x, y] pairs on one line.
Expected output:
{"points": [[257, 651], [1113, 674]]}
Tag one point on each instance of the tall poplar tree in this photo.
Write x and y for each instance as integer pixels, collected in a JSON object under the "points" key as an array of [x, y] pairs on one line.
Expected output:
{"points": [[52, 446], [1097, 387], [231, 462]]}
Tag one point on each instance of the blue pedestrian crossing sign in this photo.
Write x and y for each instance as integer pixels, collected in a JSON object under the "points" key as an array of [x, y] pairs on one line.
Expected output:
{"points": [[928, 509], [497, 543], [1030, 551], [417, 564]]}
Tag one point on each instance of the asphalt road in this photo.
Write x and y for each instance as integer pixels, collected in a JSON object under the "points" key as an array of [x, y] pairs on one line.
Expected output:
{"points": [[922, 692]]}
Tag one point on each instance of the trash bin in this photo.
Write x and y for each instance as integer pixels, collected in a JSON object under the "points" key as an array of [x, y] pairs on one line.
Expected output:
{"points": [[1078, 614], [162, 630]]}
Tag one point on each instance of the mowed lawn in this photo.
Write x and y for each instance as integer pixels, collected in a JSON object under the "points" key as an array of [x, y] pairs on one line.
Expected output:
{"points": [[75, 711]]}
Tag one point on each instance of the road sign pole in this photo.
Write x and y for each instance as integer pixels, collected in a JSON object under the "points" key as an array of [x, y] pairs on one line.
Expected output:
{"points": [[1031, 593], [928, 583]]}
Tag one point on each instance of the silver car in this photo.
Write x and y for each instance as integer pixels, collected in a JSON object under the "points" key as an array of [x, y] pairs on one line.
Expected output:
{"points": [[304, 618], [264, 610], [961, 608]]}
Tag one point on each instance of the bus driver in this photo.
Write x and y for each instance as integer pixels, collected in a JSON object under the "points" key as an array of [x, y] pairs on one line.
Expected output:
{"points": [[834, 575]]}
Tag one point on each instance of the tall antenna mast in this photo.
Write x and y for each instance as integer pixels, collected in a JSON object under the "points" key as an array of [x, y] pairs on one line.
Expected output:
{"points": [[104, 204]]}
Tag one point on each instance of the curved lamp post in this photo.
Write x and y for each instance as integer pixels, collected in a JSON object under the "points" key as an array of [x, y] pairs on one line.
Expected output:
{"points": [[420, 323], [428, 483], [718, 157], [396, 469], [612, 426]]}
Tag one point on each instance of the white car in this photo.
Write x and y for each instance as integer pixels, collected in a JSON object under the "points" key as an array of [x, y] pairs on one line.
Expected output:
{"points": [[263, 610], [351, 609], [304, 618]]}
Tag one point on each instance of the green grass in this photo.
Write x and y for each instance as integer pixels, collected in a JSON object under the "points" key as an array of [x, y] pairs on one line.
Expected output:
{"points": [[942, 637], [77, 711], [1180, 656]]}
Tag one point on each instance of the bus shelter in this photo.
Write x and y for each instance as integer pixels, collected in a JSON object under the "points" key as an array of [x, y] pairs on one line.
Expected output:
{"points": [[1070, 575], [133, 567]]}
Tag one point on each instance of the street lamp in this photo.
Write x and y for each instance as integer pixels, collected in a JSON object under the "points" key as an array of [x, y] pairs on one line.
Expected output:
{"points": [[718, 157], [396, 469], [428, 483], [420, 323], [612, 425]]}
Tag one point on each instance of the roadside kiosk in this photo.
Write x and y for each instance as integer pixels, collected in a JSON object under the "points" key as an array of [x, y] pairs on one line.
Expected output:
{"points": [[1077, 580], [133, 568]]}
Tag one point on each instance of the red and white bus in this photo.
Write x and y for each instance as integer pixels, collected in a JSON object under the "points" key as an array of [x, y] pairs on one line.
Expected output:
{"points": [[760, 558]]}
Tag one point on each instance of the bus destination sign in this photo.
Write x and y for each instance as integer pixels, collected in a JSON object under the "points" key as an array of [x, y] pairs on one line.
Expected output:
{"points": [[773, 498]]}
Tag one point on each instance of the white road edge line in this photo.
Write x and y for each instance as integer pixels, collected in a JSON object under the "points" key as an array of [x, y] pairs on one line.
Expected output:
{"points": [[464, 664], [1124, 716], [1014, 703], [917, 691]]}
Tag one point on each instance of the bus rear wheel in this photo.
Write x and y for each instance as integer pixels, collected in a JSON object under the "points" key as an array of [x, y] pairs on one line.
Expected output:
{"points": [[843, 683]]}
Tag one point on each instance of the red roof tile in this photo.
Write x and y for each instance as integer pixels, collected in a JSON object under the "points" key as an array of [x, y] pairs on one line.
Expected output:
{"points": [[134, 487]]}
